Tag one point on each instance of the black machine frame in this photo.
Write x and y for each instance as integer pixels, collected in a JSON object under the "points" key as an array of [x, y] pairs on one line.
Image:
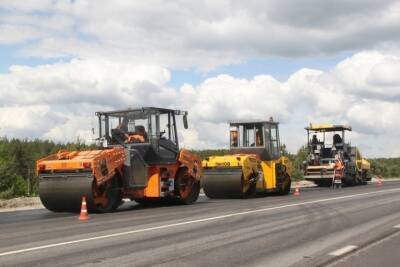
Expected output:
{"points": [[342, 146], [161, 147], [143, 113]]}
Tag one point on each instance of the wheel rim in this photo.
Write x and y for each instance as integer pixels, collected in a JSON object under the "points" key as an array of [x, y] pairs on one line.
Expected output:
{"points": [[185, 186], [102, 194]]}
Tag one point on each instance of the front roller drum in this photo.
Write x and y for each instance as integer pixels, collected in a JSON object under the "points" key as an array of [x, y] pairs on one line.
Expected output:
{"points": [[226, 183], [63, 192]]}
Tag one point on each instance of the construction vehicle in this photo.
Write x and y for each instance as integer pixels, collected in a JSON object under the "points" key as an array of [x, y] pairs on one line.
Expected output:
{"points": [[253, 166], [139, 159], [331, 160]]}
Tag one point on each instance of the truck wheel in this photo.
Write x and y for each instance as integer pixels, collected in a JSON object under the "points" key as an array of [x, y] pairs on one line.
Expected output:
{"points": [[364, 177], [106, 197], [140, 201], [148, 201], [251, 192], [285, 187], [323, 182], [186, 187]]}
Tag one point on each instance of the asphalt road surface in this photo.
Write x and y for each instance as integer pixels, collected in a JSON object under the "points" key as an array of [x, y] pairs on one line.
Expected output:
{"points": [[356, 226]]}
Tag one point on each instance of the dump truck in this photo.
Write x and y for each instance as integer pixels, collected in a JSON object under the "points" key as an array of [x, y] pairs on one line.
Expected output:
{"points": [[254, 164], [331, 160], [139, 159]]}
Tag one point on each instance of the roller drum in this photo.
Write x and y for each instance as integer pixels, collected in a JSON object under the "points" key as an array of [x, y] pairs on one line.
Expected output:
{"points": [[64, 191], [223, 183]]}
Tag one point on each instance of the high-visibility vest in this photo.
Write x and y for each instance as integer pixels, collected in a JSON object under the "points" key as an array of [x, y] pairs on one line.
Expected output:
{"points": [[135, 138], [338, 168]]}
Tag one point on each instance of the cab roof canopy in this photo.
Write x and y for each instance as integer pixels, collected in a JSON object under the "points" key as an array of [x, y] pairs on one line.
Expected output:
{"points": [[139, 112], [327, 127], [239, 122]]}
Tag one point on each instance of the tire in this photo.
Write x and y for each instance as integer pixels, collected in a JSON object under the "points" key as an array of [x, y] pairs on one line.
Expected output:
{"points": [[318, 183], [285, 187], [251, 192], [353, 181], [187, 189], [148, 202], [363, 178], [323, 183], [111, 194]]}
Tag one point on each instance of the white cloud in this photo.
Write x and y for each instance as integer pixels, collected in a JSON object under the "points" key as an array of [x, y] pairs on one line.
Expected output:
{"points": [[12, 34], [225, 97], [199, 34], [375, 117], [115, 54], [84, 81], [28, 121], [73, 129], [370, 74]]}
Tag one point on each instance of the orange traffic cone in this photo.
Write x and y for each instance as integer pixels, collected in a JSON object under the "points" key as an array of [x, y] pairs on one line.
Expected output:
{"points": [[84, 213], [296, 190], [379, 183]]}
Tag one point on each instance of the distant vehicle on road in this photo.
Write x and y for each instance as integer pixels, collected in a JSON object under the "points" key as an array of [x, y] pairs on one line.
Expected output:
{"points": [[331, 160]]}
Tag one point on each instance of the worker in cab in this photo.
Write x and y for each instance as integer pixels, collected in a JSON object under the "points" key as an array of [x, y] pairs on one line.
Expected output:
{"points": [[120, 133], [314, 140], [337, 139], [139, 136], [234, 138], [259, 140]]}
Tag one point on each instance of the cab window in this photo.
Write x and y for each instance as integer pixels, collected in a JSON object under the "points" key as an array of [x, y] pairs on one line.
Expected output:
{"points": [[274, 137], [248, 135]]}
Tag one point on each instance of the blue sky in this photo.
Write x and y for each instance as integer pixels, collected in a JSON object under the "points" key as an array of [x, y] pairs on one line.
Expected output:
{"points": [[9, 57], [279, 68]]}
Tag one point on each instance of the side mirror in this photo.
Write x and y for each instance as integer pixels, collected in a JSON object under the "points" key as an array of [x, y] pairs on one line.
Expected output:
{"points": [[185, 122]]}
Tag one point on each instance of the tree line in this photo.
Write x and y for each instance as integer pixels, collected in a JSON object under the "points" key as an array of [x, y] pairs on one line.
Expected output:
{"points": [[18, 160]]}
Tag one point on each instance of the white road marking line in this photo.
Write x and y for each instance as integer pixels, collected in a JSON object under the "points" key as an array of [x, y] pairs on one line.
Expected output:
{"points": [[397, 226], [191, 222], [343, 250], [202, 195]]}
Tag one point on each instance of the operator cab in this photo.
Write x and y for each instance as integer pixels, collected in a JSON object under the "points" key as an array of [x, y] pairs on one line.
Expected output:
{"points": [[257, 137], [325, 141], [150, 131]]}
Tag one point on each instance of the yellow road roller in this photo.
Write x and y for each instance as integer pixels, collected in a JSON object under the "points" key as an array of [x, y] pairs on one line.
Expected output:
{"points": [[253, 166]]}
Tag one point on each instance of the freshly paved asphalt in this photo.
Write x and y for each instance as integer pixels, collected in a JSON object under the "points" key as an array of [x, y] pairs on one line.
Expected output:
{"points": [[269, 231]]}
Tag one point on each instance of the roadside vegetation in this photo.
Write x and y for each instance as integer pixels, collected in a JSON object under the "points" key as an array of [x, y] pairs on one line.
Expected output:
{"points": [[18, 157]]}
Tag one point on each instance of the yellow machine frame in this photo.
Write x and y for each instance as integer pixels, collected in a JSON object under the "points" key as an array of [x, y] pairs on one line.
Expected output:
{"points": [[254, 164]]}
